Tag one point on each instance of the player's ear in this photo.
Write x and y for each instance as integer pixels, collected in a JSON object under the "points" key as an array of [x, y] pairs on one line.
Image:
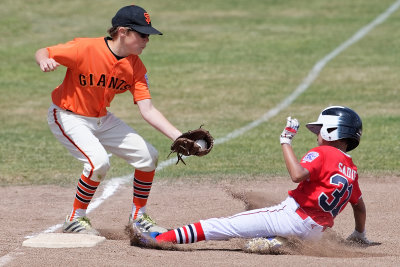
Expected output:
{"points": [[123, 31]]}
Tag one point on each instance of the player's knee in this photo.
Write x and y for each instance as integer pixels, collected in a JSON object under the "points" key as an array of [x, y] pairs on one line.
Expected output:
{"points": [[101, 166], [152, 158], [148, 161]]}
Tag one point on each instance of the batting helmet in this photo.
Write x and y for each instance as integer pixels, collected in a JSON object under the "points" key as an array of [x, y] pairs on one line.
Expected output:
{"points": [[337, 122]]}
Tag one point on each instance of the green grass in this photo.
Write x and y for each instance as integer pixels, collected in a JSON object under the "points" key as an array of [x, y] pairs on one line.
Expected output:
{"points": [[219, 63]]}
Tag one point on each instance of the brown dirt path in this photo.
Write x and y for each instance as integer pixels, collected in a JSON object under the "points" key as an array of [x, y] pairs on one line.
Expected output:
{"points": [[27, 210]]}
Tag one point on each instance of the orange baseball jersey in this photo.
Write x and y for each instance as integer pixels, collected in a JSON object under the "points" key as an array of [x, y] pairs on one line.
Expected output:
{"points": [[94, 75]]}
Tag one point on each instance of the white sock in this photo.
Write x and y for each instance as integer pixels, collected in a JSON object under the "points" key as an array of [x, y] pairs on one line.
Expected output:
{"points": [[77, 214], [140, 212]]}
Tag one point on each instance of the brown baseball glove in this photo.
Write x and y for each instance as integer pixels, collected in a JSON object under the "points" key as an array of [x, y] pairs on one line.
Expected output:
{"points": [[186, 145]]}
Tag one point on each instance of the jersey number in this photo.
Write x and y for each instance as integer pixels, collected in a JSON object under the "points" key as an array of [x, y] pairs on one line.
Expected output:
{"points": [[336, 204]]}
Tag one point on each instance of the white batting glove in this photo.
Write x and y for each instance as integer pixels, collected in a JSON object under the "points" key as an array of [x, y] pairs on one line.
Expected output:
{"points": [[292, 125], [358, 238]]}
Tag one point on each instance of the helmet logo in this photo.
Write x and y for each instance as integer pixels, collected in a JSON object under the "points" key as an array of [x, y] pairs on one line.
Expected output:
{"points": [[147, 16]]}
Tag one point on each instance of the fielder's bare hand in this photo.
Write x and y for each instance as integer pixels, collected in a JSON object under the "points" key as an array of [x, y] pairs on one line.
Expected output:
{"points": [[45, 63], [48, 65]]}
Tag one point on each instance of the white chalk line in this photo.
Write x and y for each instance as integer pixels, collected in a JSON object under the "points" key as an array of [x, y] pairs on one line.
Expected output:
{"points": [[114, 183]]}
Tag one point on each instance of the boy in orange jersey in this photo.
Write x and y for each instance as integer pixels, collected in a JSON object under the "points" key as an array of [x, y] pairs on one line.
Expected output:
{"points": [[97, 69]]}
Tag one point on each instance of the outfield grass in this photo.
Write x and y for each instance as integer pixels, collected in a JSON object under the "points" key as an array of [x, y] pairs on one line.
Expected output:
{"points": [[219, 63]]}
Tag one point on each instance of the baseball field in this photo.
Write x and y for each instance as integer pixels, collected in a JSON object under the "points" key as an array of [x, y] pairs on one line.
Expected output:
{"points": [[237, 67]]}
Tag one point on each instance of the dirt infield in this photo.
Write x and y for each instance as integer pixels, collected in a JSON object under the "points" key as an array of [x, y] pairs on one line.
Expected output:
{"points": [[29, 210]]}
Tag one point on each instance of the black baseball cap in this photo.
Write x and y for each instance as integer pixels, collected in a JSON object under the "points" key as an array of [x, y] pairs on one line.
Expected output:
{"points": [[135, 18]]}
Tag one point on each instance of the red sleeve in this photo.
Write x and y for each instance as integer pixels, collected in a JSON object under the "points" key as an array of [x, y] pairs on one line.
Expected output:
{"points": [[65, 54], [356, 194], [313, 162]]}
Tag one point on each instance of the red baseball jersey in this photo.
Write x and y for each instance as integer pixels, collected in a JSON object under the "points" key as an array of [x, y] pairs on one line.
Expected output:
{"points": [[332, 184], [94, 75]]}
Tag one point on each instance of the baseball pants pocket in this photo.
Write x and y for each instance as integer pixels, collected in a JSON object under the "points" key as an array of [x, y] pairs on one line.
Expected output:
{"points": [[76, 135]]}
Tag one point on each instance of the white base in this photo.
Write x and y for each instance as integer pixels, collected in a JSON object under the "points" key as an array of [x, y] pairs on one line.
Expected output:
{"points": [[60, 240]]}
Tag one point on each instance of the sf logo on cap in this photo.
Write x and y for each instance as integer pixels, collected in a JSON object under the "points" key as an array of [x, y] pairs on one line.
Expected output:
{"points": [[147, 16]]}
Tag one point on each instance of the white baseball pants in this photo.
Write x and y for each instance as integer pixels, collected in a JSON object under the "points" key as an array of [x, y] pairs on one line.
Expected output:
{"points": [[280, 220], [89, 138]]}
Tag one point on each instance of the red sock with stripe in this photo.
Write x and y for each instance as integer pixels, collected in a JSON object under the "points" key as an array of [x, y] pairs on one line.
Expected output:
{"points": [[141, 189], [84, 194], [190, 233]]}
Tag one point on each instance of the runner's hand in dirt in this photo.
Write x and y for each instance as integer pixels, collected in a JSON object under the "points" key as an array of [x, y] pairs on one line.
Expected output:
{"points": [[360, 238]]}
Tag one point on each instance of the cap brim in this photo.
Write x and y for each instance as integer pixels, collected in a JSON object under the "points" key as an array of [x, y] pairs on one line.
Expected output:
{"points": [[145, 29], [314, 127]]}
